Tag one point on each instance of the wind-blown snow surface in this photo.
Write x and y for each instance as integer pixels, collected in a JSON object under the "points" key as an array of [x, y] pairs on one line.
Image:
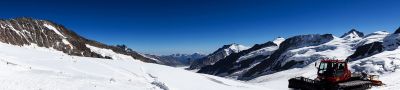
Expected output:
{"points": [[37, 68]]}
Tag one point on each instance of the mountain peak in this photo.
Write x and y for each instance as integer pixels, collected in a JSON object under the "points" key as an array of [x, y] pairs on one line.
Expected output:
{"points": [[219, 54], [278, 40], [236, 47], [353, 33], [397, 31]]}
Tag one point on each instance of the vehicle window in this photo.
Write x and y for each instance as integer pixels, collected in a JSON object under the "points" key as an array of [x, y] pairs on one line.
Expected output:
{"points": [[322, 68]]}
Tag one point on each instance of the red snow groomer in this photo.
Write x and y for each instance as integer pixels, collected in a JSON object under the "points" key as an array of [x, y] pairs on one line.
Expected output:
{"points": [[335, 75]]}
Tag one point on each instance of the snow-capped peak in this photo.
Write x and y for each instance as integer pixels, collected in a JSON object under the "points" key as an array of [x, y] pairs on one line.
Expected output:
{"points": [[217, 55], [278, 40], [353, 34], [236, 47]]}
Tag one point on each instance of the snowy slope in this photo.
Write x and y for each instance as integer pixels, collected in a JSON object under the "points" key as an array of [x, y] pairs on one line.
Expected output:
{"points": [[109, 53], [352, 35], [235, 48], [383, 62], [217, 55], [279, 40], [37, 68], [263, 51], [377, 36], [310, 54]]}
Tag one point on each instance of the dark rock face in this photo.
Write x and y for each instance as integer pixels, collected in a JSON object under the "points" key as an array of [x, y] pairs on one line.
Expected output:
{"points": [[230, 65], [273, 64], [43, 33], [397, 31], [366, 51]]}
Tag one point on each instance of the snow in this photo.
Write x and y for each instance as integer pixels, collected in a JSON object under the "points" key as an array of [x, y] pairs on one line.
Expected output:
{"points": [[278, 40], [108, 52], [279, 80], [382, 63], [385, 64], [235, 48], [37, 68], [66, 42], [337, 48], [373, 37], [391, 42], [13, 29], [391, 81], [64, 39], [51, 27], [264, 51], [352, 36]]}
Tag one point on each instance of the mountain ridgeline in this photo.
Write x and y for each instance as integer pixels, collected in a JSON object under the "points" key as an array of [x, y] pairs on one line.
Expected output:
{"points": [[177, 60], [44, 33], [302, 50], [217, 55]]}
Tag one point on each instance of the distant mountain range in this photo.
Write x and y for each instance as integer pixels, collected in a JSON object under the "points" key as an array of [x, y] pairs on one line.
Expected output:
{"points": [[217, 55], [177, 60], [302, 50]]}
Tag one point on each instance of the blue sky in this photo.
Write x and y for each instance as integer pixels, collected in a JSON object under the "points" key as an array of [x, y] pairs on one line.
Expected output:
{"points": [[187, 26]]}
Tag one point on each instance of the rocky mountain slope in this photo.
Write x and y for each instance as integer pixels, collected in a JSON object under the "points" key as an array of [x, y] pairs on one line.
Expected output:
{"points": [[43, 33], [302, 50], [217, 55], [296, 51], [237, 63], [379, 57]]}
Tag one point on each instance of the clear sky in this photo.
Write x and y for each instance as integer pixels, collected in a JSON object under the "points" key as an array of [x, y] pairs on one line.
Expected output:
{"points": [[187, 26]]}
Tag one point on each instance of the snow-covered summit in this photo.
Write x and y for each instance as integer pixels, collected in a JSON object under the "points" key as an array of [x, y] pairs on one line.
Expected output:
{"points": [[278, 40], [353, 34], [238, 63], [235, 48], [217, 55]]}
